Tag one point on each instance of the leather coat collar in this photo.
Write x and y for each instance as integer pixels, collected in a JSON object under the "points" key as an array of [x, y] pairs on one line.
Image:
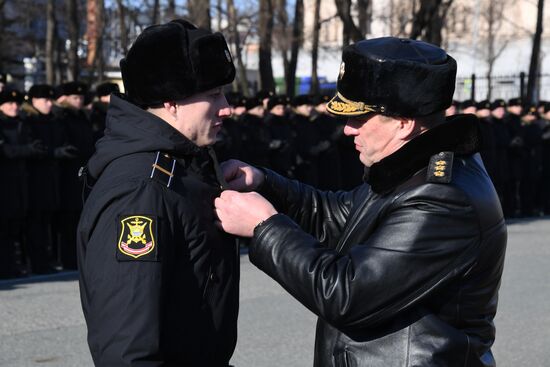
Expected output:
{"points": [[459, 134]]}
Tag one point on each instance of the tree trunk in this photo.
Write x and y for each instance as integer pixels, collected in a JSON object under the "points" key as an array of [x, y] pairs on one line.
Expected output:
{"points": [[73, 68], [266, 31], [364, 10], [122, 25], [283, 38], [156, 12], [428, 21], [99, 59], [219, 13], [535, 56], [51, 27], [233, 28], [297, 35], [199, 13], [170, 13], [351, 32], [314, 88], [2, 2]]}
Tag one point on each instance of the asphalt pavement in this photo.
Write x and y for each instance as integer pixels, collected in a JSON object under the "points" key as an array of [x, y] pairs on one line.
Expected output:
{"points": [[41, 322]]}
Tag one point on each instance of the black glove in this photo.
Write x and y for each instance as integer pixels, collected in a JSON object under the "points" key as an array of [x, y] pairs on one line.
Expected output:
{"points": [[65, 152], [36, 148]]}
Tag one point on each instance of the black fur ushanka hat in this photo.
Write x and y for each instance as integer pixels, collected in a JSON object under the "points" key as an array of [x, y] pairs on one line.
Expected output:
{"points": [[41, 91], [173, 61], [394, 77]]}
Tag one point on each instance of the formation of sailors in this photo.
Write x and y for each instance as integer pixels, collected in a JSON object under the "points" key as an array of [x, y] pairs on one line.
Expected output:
{"points": [[47, 134], [516, 152]]}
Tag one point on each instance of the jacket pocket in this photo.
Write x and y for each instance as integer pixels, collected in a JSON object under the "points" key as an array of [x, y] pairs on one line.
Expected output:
{"points": [[344, 358]]}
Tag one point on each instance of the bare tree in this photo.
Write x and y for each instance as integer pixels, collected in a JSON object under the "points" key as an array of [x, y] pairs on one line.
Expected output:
{"points": [[266, 32], [493, 15], [155, 18], [199, 13], [364, 11], [122, 25], [297, 37], [94, 35], [351, 31], [2, 27], [235, 36], [281, 37], [170, 12], [219, 14], [429, 20], [535, 55], [51, 30], [73, 68], [314, 87]]}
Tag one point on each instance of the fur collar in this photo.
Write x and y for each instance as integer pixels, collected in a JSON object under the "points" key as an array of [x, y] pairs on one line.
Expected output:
{"points": [[460, 134]]}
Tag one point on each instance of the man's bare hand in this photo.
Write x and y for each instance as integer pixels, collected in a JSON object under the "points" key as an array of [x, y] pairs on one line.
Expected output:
{"points": [[239, 213], [241, 176]]}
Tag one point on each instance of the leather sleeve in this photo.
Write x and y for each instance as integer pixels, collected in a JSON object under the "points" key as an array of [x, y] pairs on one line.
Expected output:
{"points": [[322, 214], [426, 239]]}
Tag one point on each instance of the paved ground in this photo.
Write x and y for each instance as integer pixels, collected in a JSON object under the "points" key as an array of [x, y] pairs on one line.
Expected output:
{"points": [[41, 322]]}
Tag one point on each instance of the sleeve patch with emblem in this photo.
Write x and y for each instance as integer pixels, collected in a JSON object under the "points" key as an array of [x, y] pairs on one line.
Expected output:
{"points": [[137, 238]]}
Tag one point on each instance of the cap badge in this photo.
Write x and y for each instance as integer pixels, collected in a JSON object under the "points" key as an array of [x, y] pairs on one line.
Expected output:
{"points": [[342, 70], [227, 55]]}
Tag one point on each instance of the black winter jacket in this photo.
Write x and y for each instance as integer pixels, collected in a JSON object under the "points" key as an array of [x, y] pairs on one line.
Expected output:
{"points": [[402, 271], [158, 280]]}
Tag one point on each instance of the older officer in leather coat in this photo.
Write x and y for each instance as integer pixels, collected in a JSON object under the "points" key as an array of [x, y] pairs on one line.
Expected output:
{"points": [[404, 270], [158, 280]]}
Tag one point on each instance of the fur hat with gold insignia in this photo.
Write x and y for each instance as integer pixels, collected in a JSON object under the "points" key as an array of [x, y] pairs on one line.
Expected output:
{"points": [[41, 91], [105, 89], [11, 95], [173, 61], [395, 77], [71, 88]]}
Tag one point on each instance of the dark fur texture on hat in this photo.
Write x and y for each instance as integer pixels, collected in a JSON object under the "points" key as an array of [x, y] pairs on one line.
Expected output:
{"points": [[467, 103], [253, 102], [497, 103], [515, 102], [70, 88], [483, 105], [173, 61], [105, 89], [277, 100], [302, 99], [394, 77], [41, 91], [11, 95]]}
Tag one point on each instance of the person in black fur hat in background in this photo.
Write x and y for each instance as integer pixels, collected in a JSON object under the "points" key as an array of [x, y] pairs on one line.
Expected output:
{"points": [[16, 148], [98, 114], [404, 269], [78, 136], [158, 280], [44, 170]]}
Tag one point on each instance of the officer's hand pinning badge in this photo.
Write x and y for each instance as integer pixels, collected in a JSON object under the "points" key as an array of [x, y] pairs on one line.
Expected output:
{"points": [[137, 238]]}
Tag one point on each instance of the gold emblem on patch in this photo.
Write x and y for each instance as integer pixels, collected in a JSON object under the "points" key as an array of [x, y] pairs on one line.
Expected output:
{"points": [[136, 236]]}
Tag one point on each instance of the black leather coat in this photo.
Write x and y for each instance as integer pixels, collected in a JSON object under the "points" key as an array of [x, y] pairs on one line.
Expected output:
{"points": [[176, 305], [401, 271]]}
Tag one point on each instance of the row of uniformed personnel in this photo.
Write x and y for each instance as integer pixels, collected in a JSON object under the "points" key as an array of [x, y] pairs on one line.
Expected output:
{"points": [[515, 151], [45, 137], [295, 137]]}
